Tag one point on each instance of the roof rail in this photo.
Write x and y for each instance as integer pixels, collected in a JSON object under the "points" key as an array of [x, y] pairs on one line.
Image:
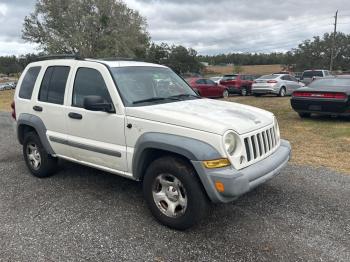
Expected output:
{"points": [[60, 56], [119, 59]]}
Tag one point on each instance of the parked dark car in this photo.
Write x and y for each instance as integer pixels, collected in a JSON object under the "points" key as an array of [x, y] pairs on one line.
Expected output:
{"points": [[326, 96], [238, 83], [208, 88]]}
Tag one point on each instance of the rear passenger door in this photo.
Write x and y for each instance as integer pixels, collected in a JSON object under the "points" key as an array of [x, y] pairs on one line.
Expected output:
{"points": [[49, 105], [95, 137]]}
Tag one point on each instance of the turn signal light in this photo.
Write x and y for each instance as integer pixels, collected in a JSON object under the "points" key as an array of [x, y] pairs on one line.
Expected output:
{"points": [[219, 186], [217, 163]]}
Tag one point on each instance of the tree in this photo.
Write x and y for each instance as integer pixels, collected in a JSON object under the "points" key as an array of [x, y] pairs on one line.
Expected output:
{"points": [[9, 65], [92, 28], [179, 58]]}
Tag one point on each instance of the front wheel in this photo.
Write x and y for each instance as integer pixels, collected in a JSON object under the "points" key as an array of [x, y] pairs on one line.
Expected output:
{"points": [[225, 93], [174, 193]]}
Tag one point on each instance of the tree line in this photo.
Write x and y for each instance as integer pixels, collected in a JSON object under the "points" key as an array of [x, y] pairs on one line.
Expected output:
{"points": [[109, 28]]}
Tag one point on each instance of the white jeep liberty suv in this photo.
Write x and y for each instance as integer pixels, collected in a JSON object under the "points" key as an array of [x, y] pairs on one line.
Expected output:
{"points": [[142, 121]]}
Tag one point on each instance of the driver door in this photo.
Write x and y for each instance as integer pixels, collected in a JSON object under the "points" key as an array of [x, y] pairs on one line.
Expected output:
{"points": [[95, 137]]}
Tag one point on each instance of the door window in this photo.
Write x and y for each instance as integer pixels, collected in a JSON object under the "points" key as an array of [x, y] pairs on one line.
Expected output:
{"points": [[209, 82], [28, 82], [54, 84], [89, 82]]}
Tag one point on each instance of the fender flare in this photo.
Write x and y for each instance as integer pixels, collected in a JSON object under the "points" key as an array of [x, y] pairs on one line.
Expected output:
{"points": [[190, 148], [38, 125]]}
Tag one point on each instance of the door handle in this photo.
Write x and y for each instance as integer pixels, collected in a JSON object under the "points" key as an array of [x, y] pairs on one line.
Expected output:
{"points": [[75, 115], [37, 108]]}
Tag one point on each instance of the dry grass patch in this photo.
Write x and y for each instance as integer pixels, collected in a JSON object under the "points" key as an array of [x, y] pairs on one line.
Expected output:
{"points": [[6, 97], [319, 141]]}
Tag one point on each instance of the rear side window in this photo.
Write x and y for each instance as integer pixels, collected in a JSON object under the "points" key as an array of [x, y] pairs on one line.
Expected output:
{"points": [[89, 82], [28, 82], [54, 84]]}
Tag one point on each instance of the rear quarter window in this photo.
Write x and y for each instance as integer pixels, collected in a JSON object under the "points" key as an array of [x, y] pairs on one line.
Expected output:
{"points": [[28, 82]]}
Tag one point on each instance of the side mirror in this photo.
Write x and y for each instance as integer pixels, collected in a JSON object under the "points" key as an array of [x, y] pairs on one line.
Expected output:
{"points": [[97, 103]]}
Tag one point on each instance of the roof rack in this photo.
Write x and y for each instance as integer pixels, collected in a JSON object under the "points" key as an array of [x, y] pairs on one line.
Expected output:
{"points": [[119, 59], [60, 56]]}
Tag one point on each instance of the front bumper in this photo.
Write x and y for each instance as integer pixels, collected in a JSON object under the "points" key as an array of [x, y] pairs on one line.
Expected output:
{"points": [[238, 182]]}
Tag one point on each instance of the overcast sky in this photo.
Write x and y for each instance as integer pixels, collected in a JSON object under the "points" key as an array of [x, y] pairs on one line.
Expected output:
{"points": [[210, 27]]}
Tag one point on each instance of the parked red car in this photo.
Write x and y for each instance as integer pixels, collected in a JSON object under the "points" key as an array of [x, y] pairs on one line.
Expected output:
{"points": [[238, 84], [208, 88]]}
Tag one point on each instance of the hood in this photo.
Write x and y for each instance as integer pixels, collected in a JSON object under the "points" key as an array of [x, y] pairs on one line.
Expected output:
{"points": [[207, 115]]}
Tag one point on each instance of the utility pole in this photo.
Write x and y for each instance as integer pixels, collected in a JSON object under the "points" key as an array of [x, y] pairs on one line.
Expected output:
{"points": [[333, 43]]}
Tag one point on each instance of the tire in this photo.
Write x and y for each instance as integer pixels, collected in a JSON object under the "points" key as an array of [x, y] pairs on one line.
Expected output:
{"points": [[282, 92], [304, 115], [225, 94], [244, 91], [39, 162], [171, 180]]}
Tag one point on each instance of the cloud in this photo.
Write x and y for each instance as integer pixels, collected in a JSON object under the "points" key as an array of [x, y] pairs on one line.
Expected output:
{"points": [[210, 27]]}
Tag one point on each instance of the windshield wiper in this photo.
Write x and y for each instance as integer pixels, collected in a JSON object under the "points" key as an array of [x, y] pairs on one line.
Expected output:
{"points": [[153, 99], [149, 100], [184, 95]]}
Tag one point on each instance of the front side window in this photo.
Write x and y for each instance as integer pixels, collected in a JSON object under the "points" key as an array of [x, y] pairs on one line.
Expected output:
{"points": [[89, 82], [54, 84], [209, 82], [28, 82], [145, 85]]}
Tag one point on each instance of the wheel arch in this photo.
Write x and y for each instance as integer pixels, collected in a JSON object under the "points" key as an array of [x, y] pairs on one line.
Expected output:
{"points": [[151, 146], [31, 123]]}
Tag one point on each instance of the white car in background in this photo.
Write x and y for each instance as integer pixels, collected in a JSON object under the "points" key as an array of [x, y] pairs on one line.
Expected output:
{"points": [[277, 84], [216, 79]]}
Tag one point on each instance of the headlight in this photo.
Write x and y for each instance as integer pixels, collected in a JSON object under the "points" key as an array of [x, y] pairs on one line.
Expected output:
{"points": [[230, 143]]}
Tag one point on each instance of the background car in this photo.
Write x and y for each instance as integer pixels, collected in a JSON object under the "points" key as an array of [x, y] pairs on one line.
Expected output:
{"points": [[238, 83], [216, 79], [208, 88], [278, 84], [309, 75], [327, 96]]}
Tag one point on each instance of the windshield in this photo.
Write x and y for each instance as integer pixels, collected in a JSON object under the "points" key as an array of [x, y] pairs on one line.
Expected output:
{"points": [[311, 74], [331, 82], [229, 77], [268, 77], [144, 85]]}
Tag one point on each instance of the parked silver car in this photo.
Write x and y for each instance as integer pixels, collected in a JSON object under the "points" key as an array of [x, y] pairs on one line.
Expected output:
{"points": [[278, 84]]}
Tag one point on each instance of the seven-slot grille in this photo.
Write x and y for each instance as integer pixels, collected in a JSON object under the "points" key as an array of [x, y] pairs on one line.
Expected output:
{"points": [[261, 143]]}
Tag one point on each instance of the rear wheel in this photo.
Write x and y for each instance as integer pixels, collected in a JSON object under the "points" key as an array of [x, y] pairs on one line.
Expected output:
{"points": [[244, 91], [225, 93], [174, 193], [39, 162], [282, 92], [304, 115]]}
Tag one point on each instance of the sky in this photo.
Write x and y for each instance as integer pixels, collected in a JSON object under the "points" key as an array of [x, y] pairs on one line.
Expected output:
{"points": [[210, 27]]}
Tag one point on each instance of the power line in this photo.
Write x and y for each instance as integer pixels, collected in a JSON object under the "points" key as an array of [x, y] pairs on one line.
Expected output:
{"points": [[333, 43]]}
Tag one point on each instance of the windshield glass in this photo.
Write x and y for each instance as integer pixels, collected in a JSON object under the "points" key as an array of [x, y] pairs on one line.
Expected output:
{"points": [[145, 85], [311, 74], [331, 82], [268, 77], [229, 77]]}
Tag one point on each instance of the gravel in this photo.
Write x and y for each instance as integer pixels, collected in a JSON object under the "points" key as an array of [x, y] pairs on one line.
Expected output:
{"points": [[85, 214]]}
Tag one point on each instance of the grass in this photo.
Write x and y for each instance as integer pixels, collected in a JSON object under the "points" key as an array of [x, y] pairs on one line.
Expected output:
{"points": [[6, 97], [318, 141]]}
